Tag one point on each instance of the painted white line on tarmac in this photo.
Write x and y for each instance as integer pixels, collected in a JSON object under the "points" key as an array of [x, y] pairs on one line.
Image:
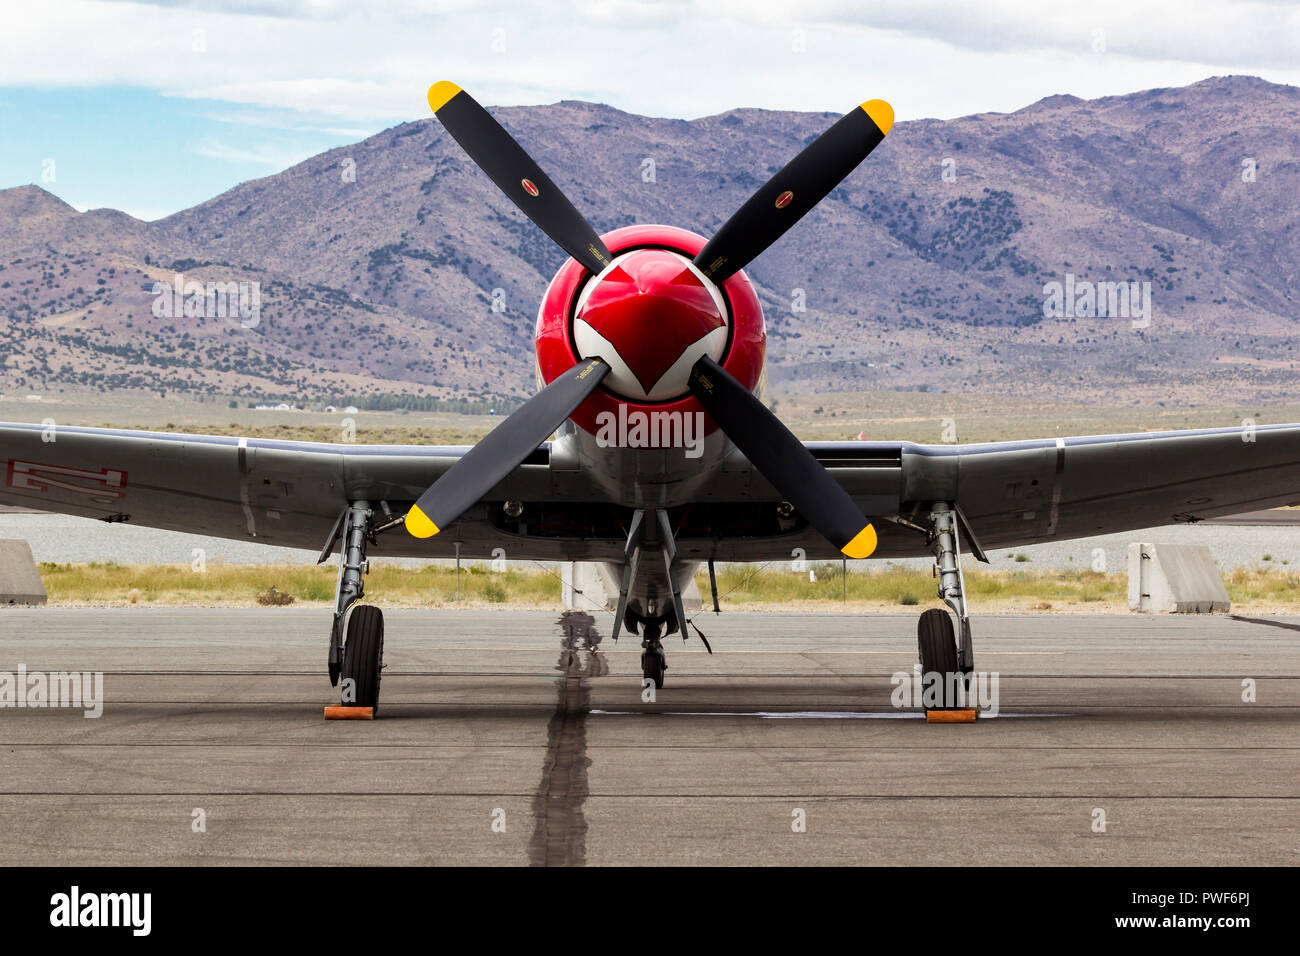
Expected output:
{"points": [[796, 715]]}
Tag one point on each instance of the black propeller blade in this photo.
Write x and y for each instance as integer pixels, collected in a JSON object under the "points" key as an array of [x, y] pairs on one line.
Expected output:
{"points": [[782, 459], [801, 184], [503, 449], [515, 174]]}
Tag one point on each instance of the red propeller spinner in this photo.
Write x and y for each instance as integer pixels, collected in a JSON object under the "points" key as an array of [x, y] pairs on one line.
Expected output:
{"points": [[651, 314]]}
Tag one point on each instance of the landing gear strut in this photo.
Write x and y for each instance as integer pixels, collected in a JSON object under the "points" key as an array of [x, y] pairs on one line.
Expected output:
{"points": [[650, 530], [944, 650], [357, 636]]}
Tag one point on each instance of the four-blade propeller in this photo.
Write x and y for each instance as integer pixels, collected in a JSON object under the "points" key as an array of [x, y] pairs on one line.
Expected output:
{"points": [[772, 449]]}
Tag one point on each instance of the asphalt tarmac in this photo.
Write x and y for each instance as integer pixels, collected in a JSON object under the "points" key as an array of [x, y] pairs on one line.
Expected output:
{"points": [[1118, 740]]}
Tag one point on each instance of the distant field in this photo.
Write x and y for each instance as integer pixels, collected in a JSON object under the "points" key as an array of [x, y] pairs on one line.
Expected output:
{"points": [[367, 433], [927, 417], [934, 418], [756, 587], [183, 413]]}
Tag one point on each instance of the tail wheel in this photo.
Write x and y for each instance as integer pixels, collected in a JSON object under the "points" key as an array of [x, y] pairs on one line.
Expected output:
{"points": [[363, 656], [936, 641], [653, 667], [653, 660]]}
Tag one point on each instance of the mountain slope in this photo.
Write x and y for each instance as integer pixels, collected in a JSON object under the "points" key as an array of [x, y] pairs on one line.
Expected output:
{"points": [[379, 262]]}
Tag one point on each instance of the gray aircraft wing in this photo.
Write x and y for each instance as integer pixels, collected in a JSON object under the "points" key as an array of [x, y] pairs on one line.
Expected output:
{"points": [[279, 492], [290, 494], [1028, 492]]}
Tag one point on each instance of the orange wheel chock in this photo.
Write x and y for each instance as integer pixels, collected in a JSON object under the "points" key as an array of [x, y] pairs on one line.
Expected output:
{"points": [[349, 713]]}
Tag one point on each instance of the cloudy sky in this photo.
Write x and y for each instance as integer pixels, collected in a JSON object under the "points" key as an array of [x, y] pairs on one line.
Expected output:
{"points": [[152, 107]]}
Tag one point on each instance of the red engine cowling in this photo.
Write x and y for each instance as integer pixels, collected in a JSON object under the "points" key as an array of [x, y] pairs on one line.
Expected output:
{"points": [[650, 314]]}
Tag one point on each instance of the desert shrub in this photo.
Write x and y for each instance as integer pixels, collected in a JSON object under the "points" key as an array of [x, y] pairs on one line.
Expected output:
{"points": [[274, 597]]}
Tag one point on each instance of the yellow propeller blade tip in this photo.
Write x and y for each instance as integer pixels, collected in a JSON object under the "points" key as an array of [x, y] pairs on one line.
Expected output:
{"points": [[440, 93], [881, 113], [419, 525], [863, 543]]}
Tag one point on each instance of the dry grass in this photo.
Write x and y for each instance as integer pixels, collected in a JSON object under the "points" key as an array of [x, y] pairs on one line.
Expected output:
{"points": [[239, 584], [1263, 586], [756, 587], [906, 587]]}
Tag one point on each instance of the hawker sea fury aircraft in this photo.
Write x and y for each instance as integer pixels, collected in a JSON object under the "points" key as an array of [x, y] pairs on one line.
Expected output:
{"points": [[650, 356]]}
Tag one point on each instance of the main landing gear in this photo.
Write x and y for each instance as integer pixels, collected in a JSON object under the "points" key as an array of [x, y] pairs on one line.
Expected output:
{"points": [[946, 653], [357, 636]]}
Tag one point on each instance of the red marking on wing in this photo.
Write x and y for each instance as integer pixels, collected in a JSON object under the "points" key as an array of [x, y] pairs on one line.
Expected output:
{"points": [[34, 476]]}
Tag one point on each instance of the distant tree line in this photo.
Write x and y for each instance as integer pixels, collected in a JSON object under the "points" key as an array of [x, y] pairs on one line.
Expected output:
{"points": [[387, 402]]}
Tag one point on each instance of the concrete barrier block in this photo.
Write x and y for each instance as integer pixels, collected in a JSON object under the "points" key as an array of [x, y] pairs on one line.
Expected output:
{"points": [[587, 585], [20, 581], [1174, 579]]}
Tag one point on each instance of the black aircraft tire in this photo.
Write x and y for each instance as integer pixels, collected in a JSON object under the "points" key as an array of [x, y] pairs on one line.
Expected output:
{"points": [[363, 654], [653, 667], [937, 644]]}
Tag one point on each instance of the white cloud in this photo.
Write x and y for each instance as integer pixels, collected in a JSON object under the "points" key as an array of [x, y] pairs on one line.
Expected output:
{"points": [[271, 157], [286, 122], [1262, 33], [354, 65], [146, 215]]}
